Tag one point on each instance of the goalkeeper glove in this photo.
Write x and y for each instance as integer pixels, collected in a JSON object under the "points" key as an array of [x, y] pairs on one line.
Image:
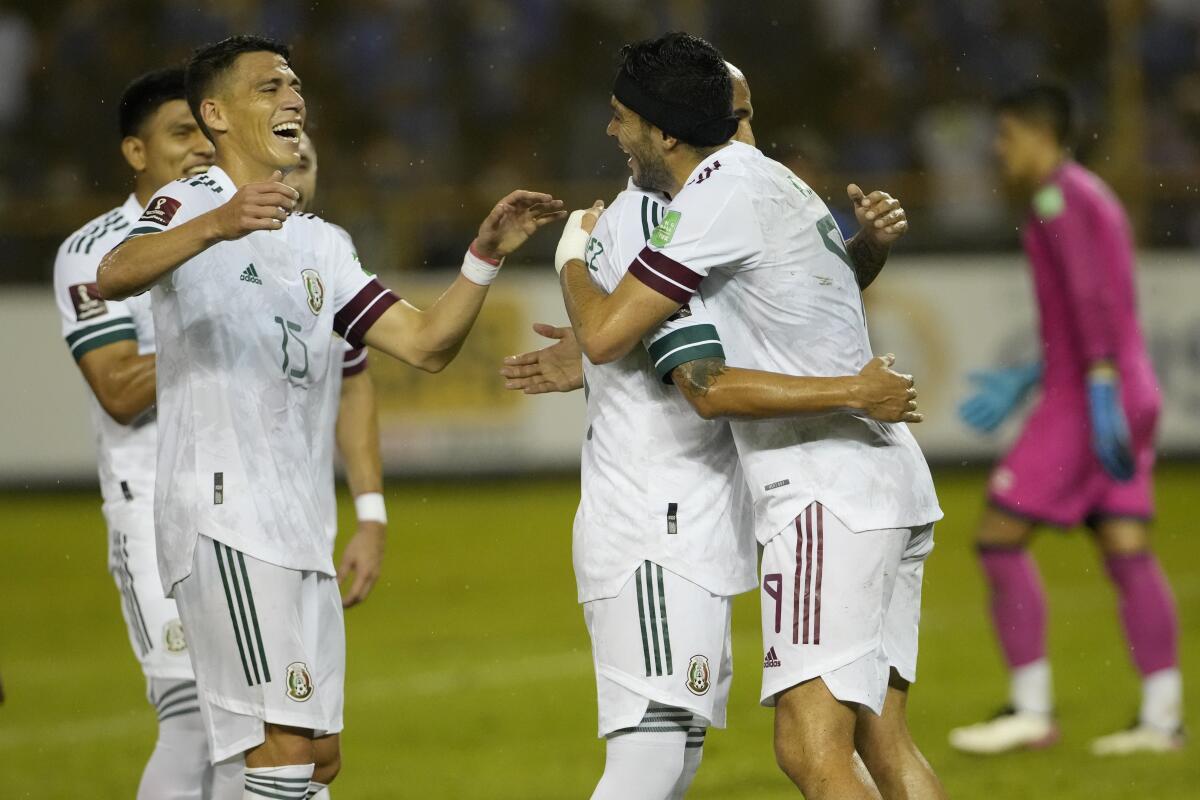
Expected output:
{"points": [[1110, 432], [998, 392]]}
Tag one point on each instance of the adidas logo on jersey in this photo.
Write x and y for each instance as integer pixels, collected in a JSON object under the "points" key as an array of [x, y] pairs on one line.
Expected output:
{"points": [[250, 275], [771, 660]]}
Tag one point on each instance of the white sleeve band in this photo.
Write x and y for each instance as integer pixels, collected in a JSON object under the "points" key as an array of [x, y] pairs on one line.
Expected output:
{"points": [[369, 507], [573, 244], [476, 270]]}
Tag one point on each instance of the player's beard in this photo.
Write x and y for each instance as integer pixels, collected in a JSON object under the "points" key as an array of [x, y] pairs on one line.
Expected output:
{"points": [[652, 173]]}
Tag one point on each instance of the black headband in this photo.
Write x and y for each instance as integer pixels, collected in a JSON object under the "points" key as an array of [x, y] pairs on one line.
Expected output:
{"points": [[685, 123]]}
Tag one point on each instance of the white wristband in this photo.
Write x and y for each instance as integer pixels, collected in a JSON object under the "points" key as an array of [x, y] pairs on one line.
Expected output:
{"points": [[476, 270], [573, 244], [369, 507]]}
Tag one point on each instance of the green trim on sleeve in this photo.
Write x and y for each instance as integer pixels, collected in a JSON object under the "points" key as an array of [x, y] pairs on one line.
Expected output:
{"points": [[681, 346], [141, 230], [87, 339]]}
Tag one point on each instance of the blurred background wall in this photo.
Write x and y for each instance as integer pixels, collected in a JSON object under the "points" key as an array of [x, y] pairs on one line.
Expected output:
{"points": [[425, 112]]}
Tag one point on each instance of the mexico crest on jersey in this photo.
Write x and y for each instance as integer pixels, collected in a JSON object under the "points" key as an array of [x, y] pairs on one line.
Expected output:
{"points": [[314, 288], [299, 682], [698, 675], [173, 638]]}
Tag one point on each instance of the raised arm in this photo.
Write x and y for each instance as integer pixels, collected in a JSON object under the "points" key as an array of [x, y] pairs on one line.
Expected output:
{"points": [[141, 261], [882, 220], [429, 339], [717, 390]]}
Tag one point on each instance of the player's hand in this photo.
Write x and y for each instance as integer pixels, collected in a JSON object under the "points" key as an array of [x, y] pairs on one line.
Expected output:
{"points": [[572, 245], [513, 220], [362, 559], [556, 368], [997, 393], [880, 215], [885, 394], [255, 207], [1110, 431]]}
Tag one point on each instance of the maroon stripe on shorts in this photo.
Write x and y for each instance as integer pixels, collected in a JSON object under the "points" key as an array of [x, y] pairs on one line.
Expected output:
{"points": [[820, 569], [808, 572], [796, 582]]}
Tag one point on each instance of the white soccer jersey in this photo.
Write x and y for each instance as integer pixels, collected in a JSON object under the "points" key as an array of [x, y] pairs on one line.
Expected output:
{"points": [[659, 483], [763, 250], [125, 453], [245, 334]]}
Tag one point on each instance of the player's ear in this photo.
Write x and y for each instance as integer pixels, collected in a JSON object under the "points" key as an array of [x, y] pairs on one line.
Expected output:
{"points": [[134, 150], [213, 115]]}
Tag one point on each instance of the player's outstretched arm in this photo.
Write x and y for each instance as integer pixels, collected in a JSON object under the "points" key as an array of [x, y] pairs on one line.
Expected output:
{"points": [[607, 326], [429, 339], [122, 380], [717, 390], [138, 263], [882, 220], [556, 368], [357, 434]]}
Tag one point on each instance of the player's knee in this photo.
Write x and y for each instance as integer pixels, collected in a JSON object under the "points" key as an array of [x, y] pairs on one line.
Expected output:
{"points": [[282, 746], [328, 763], [998, 529], [1122, 537]]}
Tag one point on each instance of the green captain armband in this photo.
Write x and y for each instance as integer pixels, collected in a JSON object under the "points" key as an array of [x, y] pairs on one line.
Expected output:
{"points": [[681, 346]]}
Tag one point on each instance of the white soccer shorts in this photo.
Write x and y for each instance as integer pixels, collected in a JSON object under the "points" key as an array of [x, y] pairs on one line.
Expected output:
{"points": [[661, 639], [268, 644], [152, 620], [842, 606]]}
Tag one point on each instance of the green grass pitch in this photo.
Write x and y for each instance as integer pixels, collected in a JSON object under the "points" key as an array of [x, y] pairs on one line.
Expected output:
{"points": [[470, 674]]}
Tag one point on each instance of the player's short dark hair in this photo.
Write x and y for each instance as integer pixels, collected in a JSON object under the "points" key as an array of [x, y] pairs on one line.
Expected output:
{"points": [[681, 71], [145, 93], [210, 62], [1047, 104]]}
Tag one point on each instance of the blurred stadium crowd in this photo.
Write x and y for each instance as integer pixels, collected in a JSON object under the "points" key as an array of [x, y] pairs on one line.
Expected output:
{"points": [[421, 108]]}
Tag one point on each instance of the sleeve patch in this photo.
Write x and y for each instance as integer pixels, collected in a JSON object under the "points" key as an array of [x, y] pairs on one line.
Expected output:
{"points": [[665, 231], [87, 301], [160, 211]]}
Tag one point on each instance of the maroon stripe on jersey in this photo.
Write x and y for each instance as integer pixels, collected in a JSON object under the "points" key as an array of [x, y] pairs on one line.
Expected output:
{"points": [[670, 268], [808, 572], [355, 318], [354, 362], [820, 569], [658, 283]]}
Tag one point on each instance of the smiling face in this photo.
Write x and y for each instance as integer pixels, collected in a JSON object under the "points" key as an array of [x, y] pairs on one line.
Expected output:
{"points": [[304, 177], [257, 111], [644, 145], [169, 145]]}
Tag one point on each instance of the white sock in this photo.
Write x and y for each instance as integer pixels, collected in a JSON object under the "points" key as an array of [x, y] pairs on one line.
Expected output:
{"points": [[225, 779], [1030, 689], [284, 783], [646, 761], [693, 754], [317, 791], [177, 766], [1162, 700]]}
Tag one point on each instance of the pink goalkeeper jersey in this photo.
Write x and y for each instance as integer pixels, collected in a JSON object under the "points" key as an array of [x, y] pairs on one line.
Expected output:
{"points": [[1081, 249]]}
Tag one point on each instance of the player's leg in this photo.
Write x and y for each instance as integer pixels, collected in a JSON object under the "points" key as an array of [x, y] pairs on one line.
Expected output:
{"points": [[1151, 626], [826, 591], [177, 767], [1018, 613], [327, 752], [661, 652], [883, 740], [814, 744], [887, 748]]}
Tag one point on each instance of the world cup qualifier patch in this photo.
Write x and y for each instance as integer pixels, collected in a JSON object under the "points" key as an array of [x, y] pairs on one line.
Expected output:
{"points": [[698, 675], [160, 211], [299, 682], [87, 301]]}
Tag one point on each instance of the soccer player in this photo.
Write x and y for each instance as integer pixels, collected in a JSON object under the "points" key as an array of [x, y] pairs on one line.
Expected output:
{"points": [[1086, 454], [663, 535], [247, 298], [113, 344], [844, 505]]}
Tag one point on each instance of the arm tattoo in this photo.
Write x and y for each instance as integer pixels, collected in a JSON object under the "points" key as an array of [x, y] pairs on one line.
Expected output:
{"points": [[697, 377], [868, 259]]}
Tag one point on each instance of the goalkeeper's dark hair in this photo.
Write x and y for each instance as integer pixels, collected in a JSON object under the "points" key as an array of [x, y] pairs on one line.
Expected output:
{"points": [[1047, 104], [687, 82], [212, 61], [143, 96]]}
